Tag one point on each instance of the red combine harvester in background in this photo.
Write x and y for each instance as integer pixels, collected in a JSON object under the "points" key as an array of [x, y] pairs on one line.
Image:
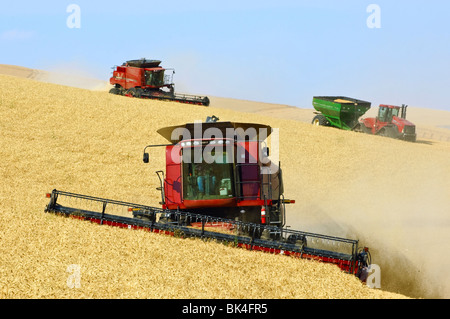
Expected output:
{"points": [[390, 122], [219, 183], [146, 79]]}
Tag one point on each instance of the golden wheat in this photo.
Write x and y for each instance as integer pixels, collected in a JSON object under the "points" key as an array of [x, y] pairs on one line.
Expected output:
{"points": [[91, 143]]}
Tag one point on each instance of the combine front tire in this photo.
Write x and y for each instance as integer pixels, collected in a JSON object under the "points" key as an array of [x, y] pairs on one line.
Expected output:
{"points": [[115, 91], [135, 92]]}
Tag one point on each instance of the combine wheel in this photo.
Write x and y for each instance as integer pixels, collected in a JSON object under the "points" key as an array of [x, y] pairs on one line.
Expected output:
{"points": [[320, 120], [135, 92], [115, 91], [139, 92]]}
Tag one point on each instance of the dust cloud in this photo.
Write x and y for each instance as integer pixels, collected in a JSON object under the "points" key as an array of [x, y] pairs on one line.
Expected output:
{"points": [[405, 221], [74, 76]]}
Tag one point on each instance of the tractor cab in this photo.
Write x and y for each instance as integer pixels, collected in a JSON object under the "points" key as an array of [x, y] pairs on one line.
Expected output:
{"points": [[391, 122], [387, 112]]}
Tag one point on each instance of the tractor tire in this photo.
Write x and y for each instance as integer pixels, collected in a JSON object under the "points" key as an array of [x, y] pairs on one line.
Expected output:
{"points": [[365, 129], [390, 132], [320, 120]]}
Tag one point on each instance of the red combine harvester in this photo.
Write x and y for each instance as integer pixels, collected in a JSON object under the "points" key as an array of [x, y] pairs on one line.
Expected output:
{"points": [[219, 183], [146, 79], [228, 175], [391, 122]]}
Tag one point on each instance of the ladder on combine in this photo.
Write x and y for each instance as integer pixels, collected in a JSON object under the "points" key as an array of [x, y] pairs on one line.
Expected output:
{"points": [[340, 251]]}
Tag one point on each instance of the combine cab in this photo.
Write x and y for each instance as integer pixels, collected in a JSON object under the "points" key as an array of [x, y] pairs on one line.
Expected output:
{"points": [[219, 183], [345, 112], [146, 79], [225, 175]]}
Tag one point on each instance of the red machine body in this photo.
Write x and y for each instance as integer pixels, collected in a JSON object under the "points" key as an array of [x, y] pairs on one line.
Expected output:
{"points": [[175, 185], [147, 79], [145, 75], [219, 183], [391, 121], [239, 183]]}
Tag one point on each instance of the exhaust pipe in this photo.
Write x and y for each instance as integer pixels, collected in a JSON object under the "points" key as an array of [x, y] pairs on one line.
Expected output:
{"points": [[403, 115]]}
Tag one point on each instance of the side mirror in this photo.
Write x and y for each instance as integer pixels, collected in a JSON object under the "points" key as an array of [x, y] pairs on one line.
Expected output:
{"points": [[265, 151], [145, 159]]}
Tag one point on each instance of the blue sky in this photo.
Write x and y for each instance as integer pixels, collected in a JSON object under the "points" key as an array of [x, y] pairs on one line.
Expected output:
{"points": [[282, 52]]}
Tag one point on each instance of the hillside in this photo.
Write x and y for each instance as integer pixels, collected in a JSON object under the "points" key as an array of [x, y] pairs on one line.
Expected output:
{"points": [[431, 124], [392, 195]]}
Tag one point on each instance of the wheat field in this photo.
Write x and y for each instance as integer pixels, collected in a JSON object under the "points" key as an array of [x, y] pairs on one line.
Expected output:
{"points": [[91, 142]]}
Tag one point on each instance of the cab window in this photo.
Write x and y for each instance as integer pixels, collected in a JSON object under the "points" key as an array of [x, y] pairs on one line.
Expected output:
{"points": [[203, 179]]}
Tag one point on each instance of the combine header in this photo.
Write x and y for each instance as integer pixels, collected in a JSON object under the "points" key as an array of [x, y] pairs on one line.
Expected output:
{"points": [[146, 79], [219, 184]]}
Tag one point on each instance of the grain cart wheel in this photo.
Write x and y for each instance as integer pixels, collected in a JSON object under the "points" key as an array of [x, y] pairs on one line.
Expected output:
{"points": [[320, 120], [357, 128]]}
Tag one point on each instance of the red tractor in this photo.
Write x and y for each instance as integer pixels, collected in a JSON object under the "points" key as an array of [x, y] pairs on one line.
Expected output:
{"points": [[391, 122], [146, 79]]}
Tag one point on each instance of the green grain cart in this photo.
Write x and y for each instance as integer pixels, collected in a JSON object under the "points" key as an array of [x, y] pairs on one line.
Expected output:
{"points": [[339, 111]]}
